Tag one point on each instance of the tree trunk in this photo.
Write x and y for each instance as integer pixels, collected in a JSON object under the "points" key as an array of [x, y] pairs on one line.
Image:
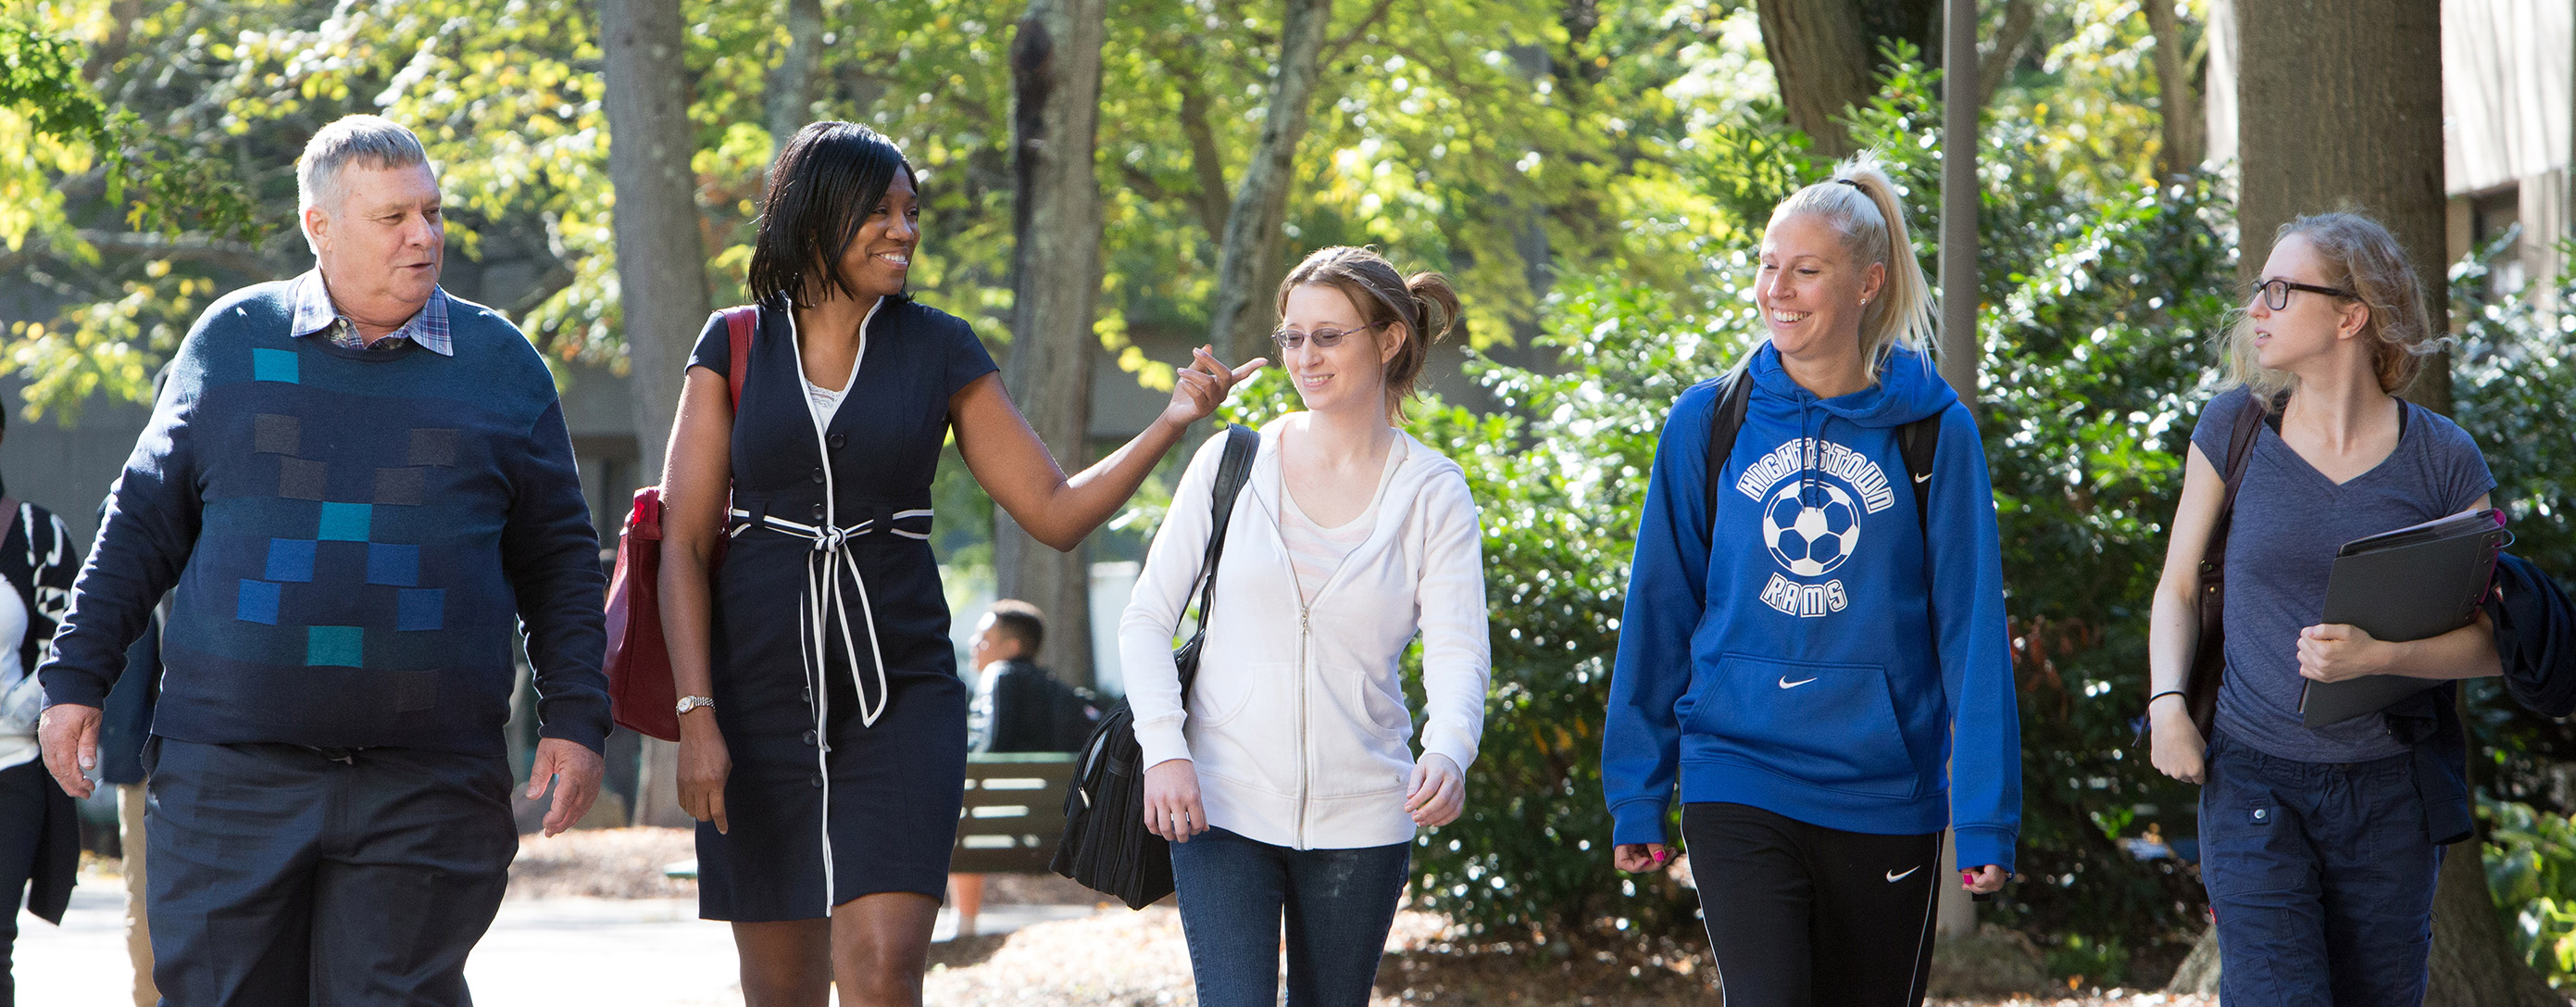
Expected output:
{"points": [[2473, 963], [789, 104], [2339, 108], [661, 261], [1824, 52], [1055, 69], [2198, 973], [2185, 136], [1820, 54], [1995, 67], [1248, 268]]}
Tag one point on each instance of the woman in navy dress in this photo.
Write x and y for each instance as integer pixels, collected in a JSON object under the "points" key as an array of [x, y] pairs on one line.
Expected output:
{"points": [[823, 743]]}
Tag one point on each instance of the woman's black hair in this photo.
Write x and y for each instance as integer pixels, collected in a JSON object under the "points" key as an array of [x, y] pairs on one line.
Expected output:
{"points": [[821, 189]]}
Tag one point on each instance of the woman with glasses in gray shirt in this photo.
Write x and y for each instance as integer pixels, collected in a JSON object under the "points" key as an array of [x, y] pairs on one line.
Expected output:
{"points": [[2319, 845]]}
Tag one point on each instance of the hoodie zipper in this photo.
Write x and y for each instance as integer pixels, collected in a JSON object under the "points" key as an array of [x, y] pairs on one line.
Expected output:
{"points": [[1305, 628], [1305, 751]]}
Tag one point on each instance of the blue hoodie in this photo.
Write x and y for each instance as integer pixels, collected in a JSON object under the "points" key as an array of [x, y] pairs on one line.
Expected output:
{"points": [[1820, 659]]}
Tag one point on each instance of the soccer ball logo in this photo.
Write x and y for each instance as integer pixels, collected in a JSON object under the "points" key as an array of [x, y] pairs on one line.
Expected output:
{"points": [[1810, 538]]}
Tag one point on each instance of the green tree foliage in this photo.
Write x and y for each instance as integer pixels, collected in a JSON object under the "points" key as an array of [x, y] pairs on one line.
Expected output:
{"points": [[75, 159], [2531, 864]]}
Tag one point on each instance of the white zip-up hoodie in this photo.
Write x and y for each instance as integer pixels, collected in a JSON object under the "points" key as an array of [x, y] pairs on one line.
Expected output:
{"points": [[1296, 724]]}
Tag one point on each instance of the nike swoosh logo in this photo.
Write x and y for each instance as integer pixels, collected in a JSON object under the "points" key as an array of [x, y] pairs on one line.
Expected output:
{"points": [[1924, 478], [1785, 683], [1894, 876]]}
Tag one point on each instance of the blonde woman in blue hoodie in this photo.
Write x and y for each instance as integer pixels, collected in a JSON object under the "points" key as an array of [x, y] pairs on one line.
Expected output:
{"points": [[1814, 640]]}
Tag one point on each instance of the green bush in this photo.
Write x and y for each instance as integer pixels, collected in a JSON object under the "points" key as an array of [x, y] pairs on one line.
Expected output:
{"points": [[2531, 865]]}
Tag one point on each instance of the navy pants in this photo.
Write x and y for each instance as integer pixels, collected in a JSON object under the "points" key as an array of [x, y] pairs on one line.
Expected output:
{"points": [[1800, 915], [2321, 875], [1338, 905], [283, 877]]}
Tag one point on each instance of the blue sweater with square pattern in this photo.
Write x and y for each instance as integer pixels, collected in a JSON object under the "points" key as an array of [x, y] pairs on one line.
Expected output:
{"points": [[353, 537]]}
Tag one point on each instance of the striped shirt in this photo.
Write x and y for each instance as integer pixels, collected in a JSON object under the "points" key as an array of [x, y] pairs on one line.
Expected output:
{"points": [[1316, 551]]}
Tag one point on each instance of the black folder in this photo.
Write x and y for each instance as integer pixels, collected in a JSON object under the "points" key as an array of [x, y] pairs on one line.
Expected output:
{"points": [[2416, 582]]}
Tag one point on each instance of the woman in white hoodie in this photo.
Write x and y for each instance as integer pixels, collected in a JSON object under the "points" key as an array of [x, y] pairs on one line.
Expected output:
{"points": [[1287, 782]]}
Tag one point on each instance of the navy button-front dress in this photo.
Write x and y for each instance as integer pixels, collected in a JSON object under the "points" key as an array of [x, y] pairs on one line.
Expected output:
{"points": [[835, 683]]}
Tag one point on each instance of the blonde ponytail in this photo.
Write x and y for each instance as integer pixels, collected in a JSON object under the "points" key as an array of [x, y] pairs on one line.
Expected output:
{"points": [[1860, 202]]}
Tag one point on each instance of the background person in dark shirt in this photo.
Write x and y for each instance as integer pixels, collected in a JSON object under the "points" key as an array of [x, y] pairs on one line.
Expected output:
{"points": [[1018, 707]]}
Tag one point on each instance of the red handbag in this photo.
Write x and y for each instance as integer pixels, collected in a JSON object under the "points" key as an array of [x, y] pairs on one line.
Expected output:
{"points": [[641, 695]]}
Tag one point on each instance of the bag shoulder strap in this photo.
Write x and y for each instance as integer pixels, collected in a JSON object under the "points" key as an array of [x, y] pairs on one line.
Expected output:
{"points": [[740, 323], [1734, 396], [2248, 425], [1232, 471], [1917, 442]]}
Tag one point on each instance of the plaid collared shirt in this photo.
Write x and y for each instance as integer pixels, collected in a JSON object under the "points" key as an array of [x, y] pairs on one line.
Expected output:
{"points": [[314, 313]]}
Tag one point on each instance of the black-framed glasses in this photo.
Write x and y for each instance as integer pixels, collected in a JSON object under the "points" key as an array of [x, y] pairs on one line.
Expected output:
{"points": [[1324, 339], [2276, 292]]}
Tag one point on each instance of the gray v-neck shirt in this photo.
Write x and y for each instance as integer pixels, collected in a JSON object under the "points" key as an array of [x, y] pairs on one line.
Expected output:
{"points": [[2290, 520]]}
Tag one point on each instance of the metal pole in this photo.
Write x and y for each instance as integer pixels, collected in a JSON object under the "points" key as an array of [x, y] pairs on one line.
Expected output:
{"points": [[1961, 350]]}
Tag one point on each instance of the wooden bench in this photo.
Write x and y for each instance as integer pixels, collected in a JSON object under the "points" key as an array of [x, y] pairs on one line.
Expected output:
{"points": [[1014, 812]]}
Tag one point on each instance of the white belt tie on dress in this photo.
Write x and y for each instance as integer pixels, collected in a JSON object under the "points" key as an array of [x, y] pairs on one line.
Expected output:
{"points": [[824, 609]]}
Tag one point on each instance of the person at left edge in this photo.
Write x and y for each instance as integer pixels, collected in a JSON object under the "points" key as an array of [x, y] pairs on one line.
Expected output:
{"points": [[39, 831], [358, 487], [823, 743]]}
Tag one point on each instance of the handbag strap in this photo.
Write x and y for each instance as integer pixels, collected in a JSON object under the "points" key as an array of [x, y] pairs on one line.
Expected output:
{"points": [[2240, 444], [1234, 470], [739, 324]]}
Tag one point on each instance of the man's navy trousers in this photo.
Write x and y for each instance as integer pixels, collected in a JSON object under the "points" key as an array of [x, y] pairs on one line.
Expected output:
{"points": [[2321, 875], [286, 875]]}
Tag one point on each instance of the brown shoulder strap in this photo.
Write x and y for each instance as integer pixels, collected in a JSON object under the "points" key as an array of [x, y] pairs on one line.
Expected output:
{"points": [[739, 324], [2240, 447]]}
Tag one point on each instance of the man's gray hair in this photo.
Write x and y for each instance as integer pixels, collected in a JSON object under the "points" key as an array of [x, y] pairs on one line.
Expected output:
{"points": [[374, 141]]}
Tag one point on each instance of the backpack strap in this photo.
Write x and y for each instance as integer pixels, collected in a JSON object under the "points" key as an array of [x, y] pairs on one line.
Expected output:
{"points": [[1734, 396], [740, 322], [1918, 442]]}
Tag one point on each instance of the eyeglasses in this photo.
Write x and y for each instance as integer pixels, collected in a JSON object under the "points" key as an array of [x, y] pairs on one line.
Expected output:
{"points": [[1324, 339], [2276, 292]]}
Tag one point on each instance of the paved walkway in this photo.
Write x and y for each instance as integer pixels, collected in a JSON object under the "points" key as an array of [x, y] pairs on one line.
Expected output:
{"points": [[540, 952]]}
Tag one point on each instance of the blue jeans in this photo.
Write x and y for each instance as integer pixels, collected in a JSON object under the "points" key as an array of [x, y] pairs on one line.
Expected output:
{"points": [[2321, 875], [1339, 905]]}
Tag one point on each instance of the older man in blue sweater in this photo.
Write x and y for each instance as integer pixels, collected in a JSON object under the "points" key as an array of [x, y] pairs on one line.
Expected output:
{"points": [[357, 487]]}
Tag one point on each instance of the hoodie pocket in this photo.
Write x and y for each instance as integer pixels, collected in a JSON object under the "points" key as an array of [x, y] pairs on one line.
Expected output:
{"points": [[1218, 696], [1830, 725]]}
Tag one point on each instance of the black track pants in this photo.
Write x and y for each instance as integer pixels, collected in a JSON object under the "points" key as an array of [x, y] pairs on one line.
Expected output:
{"points": [[1805, 916]]}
